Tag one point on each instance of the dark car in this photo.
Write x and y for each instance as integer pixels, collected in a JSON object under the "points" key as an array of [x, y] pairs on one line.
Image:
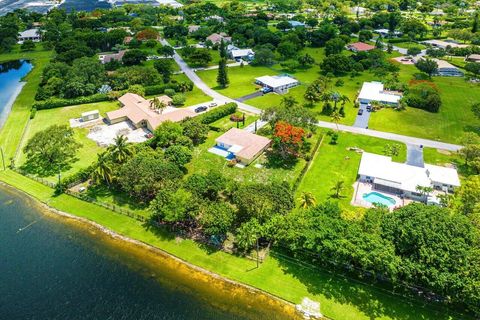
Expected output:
{"points": [[369, 108], [266, 90], [200, 109], [360, 112]]}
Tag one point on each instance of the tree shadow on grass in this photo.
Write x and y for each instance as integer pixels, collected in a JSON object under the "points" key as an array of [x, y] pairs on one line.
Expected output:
{"points": [[366, 295], [121, 199], [276, 162], [44, 169], [472, 128]]}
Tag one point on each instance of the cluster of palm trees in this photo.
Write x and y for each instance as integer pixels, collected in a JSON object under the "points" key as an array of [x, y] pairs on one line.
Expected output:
{"points": [[307, 199], [117, 153], [157, 105]]}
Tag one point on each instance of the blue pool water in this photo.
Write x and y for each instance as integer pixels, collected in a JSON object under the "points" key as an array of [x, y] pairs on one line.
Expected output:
{"points": [[375, 197]]}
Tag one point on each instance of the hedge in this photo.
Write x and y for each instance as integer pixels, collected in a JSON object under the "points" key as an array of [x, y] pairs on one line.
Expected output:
{"points": [[159, 89], [57, 102], [218, 113]]}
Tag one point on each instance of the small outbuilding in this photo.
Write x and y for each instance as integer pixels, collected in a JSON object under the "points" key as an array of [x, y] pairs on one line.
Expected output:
{"points": [[90, 115], [473, 58]]}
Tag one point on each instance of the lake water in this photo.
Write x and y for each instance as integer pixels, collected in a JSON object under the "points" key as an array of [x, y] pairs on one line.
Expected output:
{"points": [[11, 74], [56, 268]]}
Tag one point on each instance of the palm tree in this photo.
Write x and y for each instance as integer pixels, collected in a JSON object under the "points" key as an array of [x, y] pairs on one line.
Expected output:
{"points": [[161, 106], [155, 103], [288, 102], [307, 200], [336, 117], [120, 150], [344, 99], [103, 171], [337, 188]]}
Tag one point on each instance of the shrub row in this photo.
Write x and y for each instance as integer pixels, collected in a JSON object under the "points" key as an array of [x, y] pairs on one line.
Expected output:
{"points": [[218, 113], [80, 176], [159, 89], [58, 102]]}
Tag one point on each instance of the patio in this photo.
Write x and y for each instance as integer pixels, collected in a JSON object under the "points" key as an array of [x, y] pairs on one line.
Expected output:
{"points": [[104, 135]]}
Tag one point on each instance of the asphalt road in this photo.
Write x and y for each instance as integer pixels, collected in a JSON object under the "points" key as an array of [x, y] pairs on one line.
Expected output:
{"points": [[221, 99]]}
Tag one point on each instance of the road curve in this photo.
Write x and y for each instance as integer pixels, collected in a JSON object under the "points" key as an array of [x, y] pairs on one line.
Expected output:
{"points": [[221, 99]]}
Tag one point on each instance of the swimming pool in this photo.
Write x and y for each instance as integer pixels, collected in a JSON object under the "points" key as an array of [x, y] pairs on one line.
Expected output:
{"points": [[375, 197]]}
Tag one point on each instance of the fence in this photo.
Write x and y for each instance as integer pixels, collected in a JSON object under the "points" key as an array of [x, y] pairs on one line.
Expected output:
{"points": [[307, 164], [84, 197]]}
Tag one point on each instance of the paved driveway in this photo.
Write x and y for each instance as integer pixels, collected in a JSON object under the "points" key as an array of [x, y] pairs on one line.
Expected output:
{"points": [[362, 120], [250, 96]]}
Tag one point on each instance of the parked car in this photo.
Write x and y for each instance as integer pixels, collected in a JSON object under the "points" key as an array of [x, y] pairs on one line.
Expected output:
{"points": [[360, 112], [149, 135], [213, 104], [200, 109], [266, 90], [369, 107]]}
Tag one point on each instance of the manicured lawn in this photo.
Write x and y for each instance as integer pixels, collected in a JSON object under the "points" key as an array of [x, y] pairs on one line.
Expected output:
{"points": [[340, 298], [61, 116], [203, 161], [11, 133], [333, 163], [195, 96], [408, 45], [454, 117]]}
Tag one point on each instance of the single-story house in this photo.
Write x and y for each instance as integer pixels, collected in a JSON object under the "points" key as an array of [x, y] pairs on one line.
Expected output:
{"points": [[243, 145], [278, 84], [90, 115], [244, 54], [386, 33], [193, 28], [444, 44], [30, 34], [447, 70], [216, 38], [403, 179], [374, 91], [360, 46], [437, 12], [138, 110], [215, 17], [473, 58], [108, 57]]}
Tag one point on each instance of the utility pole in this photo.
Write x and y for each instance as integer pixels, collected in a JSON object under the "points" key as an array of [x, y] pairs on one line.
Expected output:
{"points": [[3, 159]]}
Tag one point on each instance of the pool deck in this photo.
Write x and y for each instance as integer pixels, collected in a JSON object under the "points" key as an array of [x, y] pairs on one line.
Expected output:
{"points": [[360, 188]]}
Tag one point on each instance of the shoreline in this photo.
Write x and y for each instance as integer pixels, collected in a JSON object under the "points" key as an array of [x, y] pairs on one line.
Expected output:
{"points": [[284, 306], [5, 113]]}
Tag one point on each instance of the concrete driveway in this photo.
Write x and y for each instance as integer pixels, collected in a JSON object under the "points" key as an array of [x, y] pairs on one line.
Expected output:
{"points": [[250, 96], [362, 120]]}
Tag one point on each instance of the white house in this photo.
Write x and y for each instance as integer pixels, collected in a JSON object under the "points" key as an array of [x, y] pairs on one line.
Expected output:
{"points": [[30, 34], [386, 33], [374, 91], [278, 84], [244, 54], [403, 179], [443, 44]]}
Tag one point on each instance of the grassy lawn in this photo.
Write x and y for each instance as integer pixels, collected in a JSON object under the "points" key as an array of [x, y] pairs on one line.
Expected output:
{"points": [[11, 133], [408, 45], [454, 117], [333, 163], [195, 96], [203, 161], [340, 298], [46, 118]]}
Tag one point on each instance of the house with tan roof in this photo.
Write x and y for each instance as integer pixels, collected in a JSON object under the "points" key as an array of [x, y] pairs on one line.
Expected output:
{"points": [[139, 112], [360, 46], [216, 38], [114, 56], [241, 145], [473, 58]]}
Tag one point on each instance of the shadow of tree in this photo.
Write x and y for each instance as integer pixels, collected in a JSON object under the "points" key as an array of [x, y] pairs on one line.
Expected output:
{"points": [[44, 169], [366, 295]]}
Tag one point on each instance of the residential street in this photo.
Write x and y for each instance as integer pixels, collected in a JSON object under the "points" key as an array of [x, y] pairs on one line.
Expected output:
{"points": [[248, 108]]}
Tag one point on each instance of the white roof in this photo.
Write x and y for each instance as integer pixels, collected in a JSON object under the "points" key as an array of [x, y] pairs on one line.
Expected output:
{"points": [[374, 91], [442, 64], [386, 31], [241, 52], [276, 81], [88, 113], [30, 33], [404, 176]]}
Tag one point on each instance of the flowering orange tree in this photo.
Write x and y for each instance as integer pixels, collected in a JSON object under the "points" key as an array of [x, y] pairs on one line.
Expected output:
{"points": [[287, 139]]}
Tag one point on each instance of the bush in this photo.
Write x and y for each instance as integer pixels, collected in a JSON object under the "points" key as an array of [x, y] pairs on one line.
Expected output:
{"points": [[179, 99], [33, 112], [169, 92], [218, 113], [58, 102], [80, 176]]}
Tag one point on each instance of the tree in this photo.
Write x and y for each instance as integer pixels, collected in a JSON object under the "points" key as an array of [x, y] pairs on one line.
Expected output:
{"points": [[427, 65], [391, 150], [475, 23], [338, 188], [469, 196], [288, 102], [195, 130], [248, 234], [179, 155], [165, 68], [476, 109], [324, 32], [103, 171], [287, 49], [134, 57], [120, 150], [222, 50], [222, 77], [147, 34], [216, 218], [157, 104], [423, 96], [27, 45], [365, 35], [207, 186], [287, 140], [179, 99], [306, 61], [334, 46], [337, 64], [51, 150], [167, 133], [413, 51], [264, 57], [307, 200], [473, 67], [171, 205], [336, 117], [200, 57], [284, 25], [166, 51]]}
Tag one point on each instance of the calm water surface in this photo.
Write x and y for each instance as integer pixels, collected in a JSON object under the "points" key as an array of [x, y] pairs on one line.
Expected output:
{"points": [[51, 269], [11, 74]]}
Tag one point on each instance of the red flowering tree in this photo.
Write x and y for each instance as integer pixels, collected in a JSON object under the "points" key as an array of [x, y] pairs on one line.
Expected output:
{"points": [[287, 140], [147, 34]]}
